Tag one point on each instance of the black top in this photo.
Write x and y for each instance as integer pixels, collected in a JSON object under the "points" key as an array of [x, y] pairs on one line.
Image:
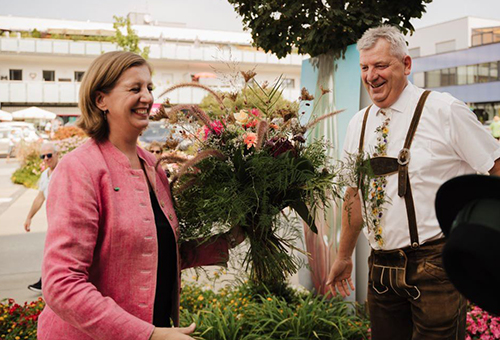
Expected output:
{"points": [[167, 266]]}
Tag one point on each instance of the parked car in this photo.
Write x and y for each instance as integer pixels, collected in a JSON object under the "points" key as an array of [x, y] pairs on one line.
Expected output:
{"points": [[17, 132], [4, 140], [160, 131]]}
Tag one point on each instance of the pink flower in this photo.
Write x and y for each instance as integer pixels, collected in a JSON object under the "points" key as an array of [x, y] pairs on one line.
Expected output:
{"points": [[250, 139], [255, 112], [216, 126]]}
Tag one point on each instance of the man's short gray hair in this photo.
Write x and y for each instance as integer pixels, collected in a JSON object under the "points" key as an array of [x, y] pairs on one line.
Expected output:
{"points": [[51, 145], [390, 33]]}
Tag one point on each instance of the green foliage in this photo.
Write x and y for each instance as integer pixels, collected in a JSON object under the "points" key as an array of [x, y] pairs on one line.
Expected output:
{"points": [[237, 313], [29, 172], [19, 321], [318, 27], [130, 40], [255, 164]]}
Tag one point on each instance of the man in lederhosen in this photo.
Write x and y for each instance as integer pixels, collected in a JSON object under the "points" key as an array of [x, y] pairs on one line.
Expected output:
{"points": [[414, 140]]}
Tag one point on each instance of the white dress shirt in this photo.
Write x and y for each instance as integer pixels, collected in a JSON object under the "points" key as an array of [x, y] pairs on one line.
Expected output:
{"points": [[449, 142]]}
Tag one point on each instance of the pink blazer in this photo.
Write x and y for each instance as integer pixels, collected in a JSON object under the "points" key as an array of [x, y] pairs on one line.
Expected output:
{"points": [[101, 252]]}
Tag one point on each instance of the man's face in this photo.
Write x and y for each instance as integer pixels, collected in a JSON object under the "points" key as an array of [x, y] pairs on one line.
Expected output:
{"points": [[47, 151], [384, 75]]}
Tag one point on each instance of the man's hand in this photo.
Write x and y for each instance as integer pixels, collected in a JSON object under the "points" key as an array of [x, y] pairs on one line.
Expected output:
{"points": [[340, 277], [173, 333], [27, 225]]}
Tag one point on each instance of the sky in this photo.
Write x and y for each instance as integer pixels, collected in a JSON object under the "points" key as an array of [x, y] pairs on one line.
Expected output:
{"points": [[209, 14]]}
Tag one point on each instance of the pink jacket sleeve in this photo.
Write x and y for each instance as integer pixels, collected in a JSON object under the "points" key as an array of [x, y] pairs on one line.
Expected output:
{"points": [[196, 253], [72, 238]]}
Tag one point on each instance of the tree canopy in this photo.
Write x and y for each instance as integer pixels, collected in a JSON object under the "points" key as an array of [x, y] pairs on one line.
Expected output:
{"points": [[130, 40], [318, 27]]}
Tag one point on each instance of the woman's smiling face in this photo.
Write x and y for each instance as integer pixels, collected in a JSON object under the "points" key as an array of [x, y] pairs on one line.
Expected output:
{"points": [[129, 102]]}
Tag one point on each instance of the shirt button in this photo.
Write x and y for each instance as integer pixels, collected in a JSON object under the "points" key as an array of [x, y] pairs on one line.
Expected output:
{"points": [[170, 217], [162, 204]]}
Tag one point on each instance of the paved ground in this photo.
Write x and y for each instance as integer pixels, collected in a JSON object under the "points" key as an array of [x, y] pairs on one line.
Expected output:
{"points": [[21, 252]]}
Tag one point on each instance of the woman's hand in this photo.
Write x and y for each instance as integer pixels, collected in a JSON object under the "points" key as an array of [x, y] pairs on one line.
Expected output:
{"points": [[235, 236], [173, 333]]}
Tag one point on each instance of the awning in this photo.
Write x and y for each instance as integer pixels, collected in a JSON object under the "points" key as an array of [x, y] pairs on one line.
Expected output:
{"points": [[5, 116], [33, 113]]}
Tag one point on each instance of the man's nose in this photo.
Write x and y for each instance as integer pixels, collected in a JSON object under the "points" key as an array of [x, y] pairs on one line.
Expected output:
{"points": [[371, 75]]}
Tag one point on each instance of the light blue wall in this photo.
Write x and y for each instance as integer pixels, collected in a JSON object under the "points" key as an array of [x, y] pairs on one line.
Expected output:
{"points": [[346, 89]]}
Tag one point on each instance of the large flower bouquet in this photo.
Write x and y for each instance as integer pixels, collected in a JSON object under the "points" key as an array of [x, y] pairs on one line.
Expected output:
{"points": [[252, 160]]}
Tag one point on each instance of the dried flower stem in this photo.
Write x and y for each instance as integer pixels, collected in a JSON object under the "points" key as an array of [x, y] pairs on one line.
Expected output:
{"points": [[319, 119], [198, 85], [262, 128], [198, 158], [202, 116]]}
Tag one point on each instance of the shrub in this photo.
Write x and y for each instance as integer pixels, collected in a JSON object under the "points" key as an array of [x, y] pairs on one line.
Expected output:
{"points": [[481, 325], [19, 322], [31, 165], [67, 132], [234, 313]]}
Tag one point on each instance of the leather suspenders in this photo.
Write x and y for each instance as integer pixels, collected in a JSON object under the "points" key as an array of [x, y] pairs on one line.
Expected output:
{"points": [[383, 166]]}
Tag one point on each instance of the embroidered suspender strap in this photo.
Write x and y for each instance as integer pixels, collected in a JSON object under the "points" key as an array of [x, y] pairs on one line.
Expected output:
{"points": [[387, 165], [363, 128], [404, 155]]}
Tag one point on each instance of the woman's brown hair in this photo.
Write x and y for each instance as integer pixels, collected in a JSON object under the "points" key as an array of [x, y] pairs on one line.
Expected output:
{"points": [[102, 75]]}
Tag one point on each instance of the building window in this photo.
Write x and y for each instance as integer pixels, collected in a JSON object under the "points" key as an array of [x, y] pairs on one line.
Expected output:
{"points": [[414, 52], [494, 71], [448, 76], [49, 75], [288, 83], [462, 75], [79, 76], [471, 74], [432, 78], [483, 74], [419, 79], [445, 46], [15, 74]]}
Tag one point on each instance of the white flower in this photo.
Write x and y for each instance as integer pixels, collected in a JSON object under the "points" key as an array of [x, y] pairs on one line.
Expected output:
{"points": [[241, 117]]}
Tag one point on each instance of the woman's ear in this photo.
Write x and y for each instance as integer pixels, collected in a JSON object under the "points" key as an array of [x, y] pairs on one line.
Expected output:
{"points": [[100, 101]]}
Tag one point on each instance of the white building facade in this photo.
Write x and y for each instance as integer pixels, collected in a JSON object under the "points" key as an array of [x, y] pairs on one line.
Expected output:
{"points": [[38, 70]]}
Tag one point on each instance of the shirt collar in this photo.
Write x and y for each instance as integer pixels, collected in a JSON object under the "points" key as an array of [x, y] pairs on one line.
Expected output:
{"points": [[402, 103]]}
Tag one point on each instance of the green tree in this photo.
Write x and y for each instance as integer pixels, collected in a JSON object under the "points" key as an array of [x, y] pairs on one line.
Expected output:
{"points": [[317, 27], [129, 41]]}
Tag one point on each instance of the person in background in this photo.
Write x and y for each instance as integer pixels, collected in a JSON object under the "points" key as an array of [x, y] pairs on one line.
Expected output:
{"points": [[156, 149], [112, 264], [416, 140], [14, 139], [495, 127], [50, 158]]}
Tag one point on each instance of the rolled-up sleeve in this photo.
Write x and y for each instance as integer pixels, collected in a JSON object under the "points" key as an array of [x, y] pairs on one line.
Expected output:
{"points": [[72, 237]]}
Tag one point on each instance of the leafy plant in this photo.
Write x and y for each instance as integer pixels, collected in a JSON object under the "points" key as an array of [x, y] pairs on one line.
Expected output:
{"points": [[318, 27], [128, 41], [253, 163], [19, 321]]}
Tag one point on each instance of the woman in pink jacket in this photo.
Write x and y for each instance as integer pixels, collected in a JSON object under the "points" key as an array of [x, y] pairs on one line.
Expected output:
{"points": [[111, 268]]}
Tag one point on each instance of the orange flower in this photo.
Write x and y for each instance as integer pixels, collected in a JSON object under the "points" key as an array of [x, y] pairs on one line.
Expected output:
{"points": [[250, 139]]}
